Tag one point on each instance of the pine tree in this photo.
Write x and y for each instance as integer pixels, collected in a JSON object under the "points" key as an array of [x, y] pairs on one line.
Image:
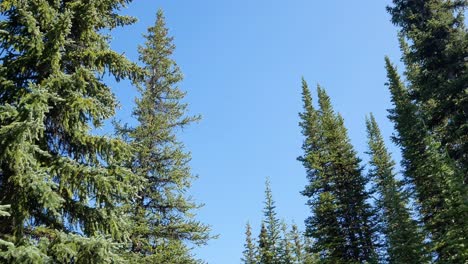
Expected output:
{"points": [[162, 213], [64, 184], [270, 233], [273, 225], [434, 176], [404, 242], [436, 69], [341, 221], [434, 42], [250, 251], [323, 225]]}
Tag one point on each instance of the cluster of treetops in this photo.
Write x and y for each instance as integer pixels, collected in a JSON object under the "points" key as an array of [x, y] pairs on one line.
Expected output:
{"points": [[378, 216], [68, 195]]}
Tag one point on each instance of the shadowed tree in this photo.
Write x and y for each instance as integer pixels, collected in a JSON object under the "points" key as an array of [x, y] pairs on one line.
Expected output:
{"points": [[436, 181], [404, 242], [341, 223], [436, 69], [431, 117]]}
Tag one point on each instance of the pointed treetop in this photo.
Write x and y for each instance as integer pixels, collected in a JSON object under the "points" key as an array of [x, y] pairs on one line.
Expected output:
{"points": [[324, 100], [394, 81], [269, 202], [373, 130], [403, 241], [272, 222], [306, 97], [249, 253]]}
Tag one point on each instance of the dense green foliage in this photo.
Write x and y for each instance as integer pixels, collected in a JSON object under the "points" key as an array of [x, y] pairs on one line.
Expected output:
{"points": [[161, 213], [436, 69], [63, 183], [68, 195], [71, 194], [341, 222], [403, 239], [431, 119]]}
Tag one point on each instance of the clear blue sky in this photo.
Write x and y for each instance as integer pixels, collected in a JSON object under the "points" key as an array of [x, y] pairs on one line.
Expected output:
{"points": [[243, 61]]}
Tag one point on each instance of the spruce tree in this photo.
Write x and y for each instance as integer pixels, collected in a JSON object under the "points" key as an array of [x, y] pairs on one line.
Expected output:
{"points": [[270, 232], [436, 180], [250, 251], [323, 225], [404, 243], [341, 223], [434, 42], [162, 212], [272, 223], [64, 184], [436, 69], [24, 253]]}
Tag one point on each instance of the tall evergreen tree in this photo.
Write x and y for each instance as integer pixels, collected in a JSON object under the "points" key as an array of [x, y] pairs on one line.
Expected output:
{"points": [[64, 184], [341, 221], [436, 69], [323, 225], [250, 251], [435, 143], [435, 177], [404, 243], [162, 212]]}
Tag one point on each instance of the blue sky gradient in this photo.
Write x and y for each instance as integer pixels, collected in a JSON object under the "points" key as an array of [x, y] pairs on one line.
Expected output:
{"points": [[243, 62]]}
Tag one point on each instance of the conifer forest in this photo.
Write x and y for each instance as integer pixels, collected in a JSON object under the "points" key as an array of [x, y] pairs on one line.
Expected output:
{"points": [[72, 194]]}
